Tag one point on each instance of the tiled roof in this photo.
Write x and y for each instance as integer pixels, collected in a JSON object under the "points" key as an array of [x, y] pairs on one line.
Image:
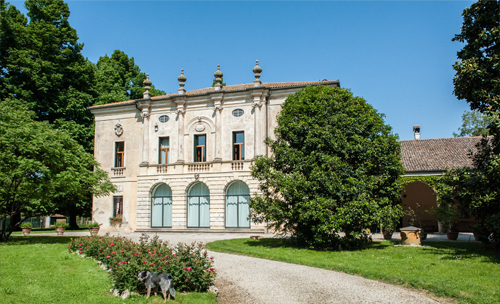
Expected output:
{"points": [[230, 88], [423, 155]]}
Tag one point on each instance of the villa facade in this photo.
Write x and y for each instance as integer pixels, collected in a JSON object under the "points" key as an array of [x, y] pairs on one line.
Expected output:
{"points": [[182, 161]]}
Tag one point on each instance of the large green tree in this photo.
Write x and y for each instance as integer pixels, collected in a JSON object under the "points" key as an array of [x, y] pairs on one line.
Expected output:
{"points": [[42, 169], [334, 168], [477, 80], [118, 78], [474, 123], [42, 66]]}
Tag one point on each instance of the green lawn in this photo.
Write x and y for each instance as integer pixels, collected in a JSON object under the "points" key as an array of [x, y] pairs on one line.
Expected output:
{"points": [[464, 271], [38, 269], [50, 230]]}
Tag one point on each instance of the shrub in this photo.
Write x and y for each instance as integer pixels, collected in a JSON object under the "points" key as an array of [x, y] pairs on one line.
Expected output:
{"points": [[61, 224], [93, 225], [189, 265], [26, 225]]}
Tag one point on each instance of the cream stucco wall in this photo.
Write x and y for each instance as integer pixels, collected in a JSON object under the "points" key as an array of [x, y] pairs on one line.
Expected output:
{"points": [[209, 114]]}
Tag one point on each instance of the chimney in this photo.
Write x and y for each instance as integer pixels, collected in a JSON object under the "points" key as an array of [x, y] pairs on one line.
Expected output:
{"points": [[416, 130]]}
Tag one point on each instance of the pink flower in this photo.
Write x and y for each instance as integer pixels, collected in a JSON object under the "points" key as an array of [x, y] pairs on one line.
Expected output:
{"points": [[135, 254], [162, 259], [159, 267], [152, 255], [81, 251], [188, 269], [187, 280], [121, 251], [150, 264], [174, 255], [120, 263], [147, 249], [211, 258], [145, 262], [107, 257], [165, 262]]}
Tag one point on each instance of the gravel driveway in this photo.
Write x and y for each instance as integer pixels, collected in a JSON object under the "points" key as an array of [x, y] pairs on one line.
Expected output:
{"points": [[243, 279]]}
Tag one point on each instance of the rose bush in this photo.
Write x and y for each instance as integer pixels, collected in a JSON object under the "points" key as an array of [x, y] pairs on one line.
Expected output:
{"points": [[190, 266]]}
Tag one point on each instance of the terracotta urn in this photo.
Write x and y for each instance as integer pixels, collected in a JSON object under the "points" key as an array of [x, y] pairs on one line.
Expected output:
{"points": [[453, 236], [60, 230], [94, 230], [27, 230]]}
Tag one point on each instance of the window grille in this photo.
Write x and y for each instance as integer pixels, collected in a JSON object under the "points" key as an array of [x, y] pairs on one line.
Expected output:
{"points": [[163, 118], [238, 112]]}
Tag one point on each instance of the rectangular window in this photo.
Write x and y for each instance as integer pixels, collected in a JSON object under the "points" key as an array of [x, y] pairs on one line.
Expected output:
{"points": [[200, 150], [117, 206], [119, 154], [238, 145], [164, 151]]}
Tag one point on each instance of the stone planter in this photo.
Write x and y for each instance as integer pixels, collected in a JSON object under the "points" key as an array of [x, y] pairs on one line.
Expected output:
{"points": [[27, 230], [452, 236], [387, 234], [94, 230], [60, 230], [411, 236]]}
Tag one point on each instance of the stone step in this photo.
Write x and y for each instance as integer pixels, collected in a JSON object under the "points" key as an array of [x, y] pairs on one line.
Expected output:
{"points": [[201, 230]]}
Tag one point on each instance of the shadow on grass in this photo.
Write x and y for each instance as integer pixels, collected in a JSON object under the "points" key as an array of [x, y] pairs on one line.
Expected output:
{"points": [[287, 243], [33, 239], [461, 250]]}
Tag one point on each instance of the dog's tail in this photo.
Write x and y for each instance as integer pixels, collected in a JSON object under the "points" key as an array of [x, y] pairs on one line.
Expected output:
{"points": [[171, 284]]}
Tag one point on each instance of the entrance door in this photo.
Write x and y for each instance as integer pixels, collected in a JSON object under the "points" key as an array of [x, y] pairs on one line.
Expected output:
{"points": [[237, 205], [161, 207], [198, 206]]}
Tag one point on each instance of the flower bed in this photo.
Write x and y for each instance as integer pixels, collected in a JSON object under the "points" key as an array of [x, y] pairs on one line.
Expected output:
{"points": [[189, 265]]}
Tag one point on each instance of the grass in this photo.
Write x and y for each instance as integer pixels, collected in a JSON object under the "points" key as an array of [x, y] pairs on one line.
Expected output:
{"points": [[466, 272], [39, 269], [50, 230]]}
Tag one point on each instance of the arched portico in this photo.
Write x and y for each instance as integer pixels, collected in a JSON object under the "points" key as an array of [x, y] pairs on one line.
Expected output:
{"points": [[417, 199]]}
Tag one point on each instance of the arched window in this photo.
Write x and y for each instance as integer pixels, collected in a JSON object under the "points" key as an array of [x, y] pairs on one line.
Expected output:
{"points": [[237, 205], [198, 201], [161, 207]]}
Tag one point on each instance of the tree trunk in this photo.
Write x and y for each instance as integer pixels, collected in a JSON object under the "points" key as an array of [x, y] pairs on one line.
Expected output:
{"points": [[72, 219]]}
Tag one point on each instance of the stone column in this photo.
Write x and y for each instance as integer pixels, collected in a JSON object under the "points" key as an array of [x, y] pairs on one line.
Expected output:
{"points": [[180, 136], [217, 99], [218, 135], [257, 105], [145, 136]]}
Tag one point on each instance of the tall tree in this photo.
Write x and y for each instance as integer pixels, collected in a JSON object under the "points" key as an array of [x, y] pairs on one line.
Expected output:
{"points": [[474, 123], [42, 169], [42, 66], [477, 80], [334, 168], [118, 78]]}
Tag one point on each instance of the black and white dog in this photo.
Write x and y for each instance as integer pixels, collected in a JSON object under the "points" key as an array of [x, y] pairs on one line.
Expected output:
{"points": [[153, 280]]}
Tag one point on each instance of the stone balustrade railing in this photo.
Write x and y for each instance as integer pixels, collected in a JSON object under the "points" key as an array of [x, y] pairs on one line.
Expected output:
{"points": [[118, 171]]}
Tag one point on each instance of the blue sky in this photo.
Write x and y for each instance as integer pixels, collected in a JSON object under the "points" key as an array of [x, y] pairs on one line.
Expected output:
{"points": [[398, 55]]}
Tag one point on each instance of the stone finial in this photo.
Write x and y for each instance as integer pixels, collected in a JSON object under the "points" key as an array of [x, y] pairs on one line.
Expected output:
{"points": [[257, 70], [182, 83], [147, 84], [218, 78]]}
